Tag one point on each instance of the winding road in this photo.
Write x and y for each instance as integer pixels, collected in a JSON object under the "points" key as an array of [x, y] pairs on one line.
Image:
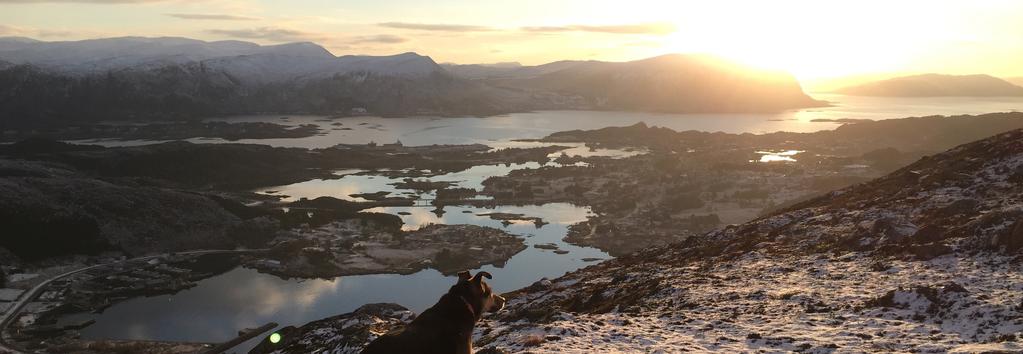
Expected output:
{"points": [[27, 297]]}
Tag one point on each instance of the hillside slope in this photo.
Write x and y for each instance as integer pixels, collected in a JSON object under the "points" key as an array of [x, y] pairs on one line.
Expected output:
{"points": [[52, 210], [926, 259], [936, 85]]}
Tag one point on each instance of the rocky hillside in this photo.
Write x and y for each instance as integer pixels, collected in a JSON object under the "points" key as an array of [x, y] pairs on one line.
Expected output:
{"points": [[926, 259], [51, 210], [935, 85]]}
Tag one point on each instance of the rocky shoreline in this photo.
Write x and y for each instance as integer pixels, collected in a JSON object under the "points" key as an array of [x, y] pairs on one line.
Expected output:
{"points": [[40, 328], [690, 182], [164, 131]]}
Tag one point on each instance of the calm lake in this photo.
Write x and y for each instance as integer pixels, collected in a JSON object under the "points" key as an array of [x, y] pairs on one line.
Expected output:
{"points": [[218, 307]]}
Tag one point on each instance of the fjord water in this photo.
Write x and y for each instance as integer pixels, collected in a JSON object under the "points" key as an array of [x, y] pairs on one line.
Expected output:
{"points": [[501, 129], [218, 307]]}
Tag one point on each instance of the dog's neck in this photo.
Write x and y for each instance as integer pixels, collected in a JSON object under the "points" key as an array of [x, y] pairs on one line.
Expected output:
{"points": [[468, 307]]}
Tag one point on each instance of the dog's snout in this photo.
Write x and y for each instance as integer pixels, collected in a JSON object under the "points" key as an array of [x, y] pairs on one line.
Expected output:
{"points": [[498, 303]]}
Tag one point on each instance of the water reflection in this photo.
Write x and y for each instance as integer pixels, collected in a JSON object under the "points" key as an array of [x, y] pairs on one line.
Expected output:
{"points": [[574, 149], [341, 188], [345, 186], [218, 307], [778, 156]]}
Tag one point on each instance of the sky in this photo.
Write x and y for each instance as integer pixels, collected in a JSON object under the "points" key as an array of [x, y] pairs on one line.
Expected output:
{"points": [[816, 40]]}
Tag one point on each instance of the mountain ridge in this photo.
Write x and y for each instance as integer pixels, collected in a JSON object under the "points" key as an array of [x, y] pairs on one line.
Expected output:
{"points": [[1018, 80], [138, 78], [81, 58], [936, 85], [655, 84]]}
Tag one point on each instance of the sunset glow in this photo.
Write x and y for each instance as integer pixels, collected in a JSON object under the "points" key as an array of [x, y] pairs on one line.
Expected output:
{"points": [[530, 176], [812, 39]]}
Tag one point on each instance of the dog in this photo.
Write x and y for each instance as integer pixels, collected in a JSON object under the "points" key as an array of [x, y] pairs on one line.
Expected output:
{"points": [[445, 328]]}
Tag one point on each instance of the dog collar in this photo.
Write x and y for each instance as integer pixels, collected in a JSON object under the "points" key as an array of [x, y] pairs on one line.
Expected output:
{"points": [[468, 306]]}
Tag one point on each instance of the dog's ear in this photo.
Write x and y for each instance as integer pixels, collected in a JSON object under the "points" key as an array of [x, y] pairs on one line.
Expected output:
{"points": [[464, 276], [479, 276]]}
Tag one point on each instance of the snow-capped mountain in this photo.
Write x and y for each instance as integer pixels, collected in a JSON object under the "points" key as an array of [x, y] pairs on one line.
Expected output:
{"points": [[249, 62], [53, 83], [96, 55]]}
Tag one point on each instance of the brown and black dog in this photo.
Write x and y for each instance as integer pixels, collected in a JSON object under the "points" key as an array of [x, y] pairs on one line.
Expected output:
{"points": [[445, 328]]}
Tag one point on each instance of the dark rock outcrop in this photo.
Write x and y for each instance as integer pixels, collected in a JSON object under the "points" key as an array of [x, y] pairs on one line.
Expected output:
{"points": [[1012, 239]]}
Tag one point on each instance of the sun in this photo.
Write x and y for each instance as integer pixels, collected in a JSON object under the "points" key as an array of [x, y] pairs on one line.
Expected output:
{"points": [[795, 37]]}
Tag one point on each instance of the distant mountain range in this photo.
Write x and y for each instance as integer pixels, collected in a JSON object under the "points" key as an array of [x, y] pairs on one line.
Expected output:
{"points": [[50, 83], [667, 83], [936, 85]]}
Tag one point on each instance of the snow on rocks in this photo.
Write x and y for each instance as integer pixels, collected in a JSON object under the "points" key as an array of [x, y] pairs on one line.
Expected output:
{"points": [[801, 303], [342, 334], [923, 260]]}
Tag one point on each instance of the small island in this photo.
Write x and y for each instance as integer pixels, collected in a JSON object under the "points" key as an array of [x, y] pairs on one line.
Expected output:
{"points": [[348, 248]]}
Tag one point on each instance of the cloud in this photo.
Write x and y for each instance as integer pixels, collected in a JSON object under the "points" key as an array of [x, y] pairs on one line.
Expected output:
{"points": [[650, 44], [55, 33], [276, 34], [220, 17], [657, 28], [380, 38], [436, 27], [8, 30]]}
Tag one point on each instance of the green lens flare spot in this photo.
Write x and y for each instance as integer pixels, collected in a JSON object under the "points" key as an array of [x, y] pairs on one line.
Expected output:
{"points": [[275, 338]]}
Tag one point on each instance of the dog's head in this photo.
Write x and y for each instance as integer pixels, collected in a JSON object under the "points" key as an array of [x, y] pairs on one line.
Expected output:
{"points": [[478, 293]]}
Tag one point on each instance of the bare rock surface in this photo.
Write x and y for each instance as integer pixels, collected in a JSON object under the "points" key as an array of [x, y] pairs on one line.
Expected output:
{"points": [[346, 333]]}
